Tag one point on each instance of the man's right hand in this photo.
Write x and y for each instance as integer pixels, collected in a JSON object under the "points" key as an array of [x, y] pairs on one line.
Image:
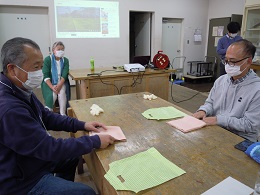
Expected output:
{"points": [[200, 114], [106, 140]]}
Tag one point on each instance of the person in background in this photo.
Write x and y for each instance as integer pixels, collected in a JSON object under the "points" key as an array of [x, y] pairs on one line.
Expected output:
{"points": [[55, 79], [234, 100], [224, 42], [29, 156]]}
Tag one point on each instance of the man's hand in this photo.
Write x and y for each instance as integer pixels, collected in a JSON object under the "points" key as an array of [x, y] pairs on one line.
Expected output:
{"points": [[93, 126], [105, 140], [210, 120], [200, 114]]}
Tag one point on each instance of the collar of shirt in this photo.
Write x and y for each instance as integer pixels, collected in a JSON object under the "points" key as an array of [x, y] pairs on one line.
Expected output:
{"points": [[26, 94], [229, 37], [240, 80]]}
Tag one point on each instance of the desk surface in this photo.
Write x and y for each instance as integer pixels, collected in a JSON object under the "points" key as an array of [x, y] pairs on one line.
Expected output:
{"points": [[207, 155], [79, 74]]}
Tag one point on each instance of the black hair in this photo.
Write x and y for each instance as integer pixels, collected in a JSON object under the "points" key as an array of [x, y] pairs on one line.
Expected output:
{"points": [[233, 27]]}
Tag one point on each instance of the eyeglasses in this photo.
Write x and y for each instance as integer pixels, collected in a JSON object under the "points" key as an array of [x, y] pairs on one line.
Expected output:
{"points": [[232, 63]]}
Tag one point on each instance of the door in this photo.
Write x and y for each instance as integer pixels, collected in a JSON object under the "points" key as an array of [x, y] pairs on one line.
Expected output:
{"points": [[140, 34], [171, 39], [214, 36], [217, 28], [27, 22]]}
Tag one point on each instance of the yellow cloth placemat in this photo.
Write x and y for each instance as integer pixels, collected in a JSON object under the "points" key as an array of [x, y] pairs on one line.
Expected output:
{"points": [[141, 171], [163, 113]]}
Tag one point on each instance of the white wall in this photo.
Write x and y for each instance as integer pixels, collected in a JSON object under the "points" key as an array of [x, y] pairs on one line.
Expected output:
{"points": [[224, 8], [112, 52], [115, 52]]}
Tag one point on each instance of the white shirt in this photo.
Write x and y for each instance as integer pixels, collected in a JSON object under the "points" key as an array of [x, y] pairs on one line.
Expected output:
{"points": [[58, 70]]}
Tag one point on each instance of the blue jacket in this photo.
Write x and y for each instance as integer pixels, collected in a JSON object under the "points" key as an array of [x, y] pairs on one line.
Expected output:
{"points": [[223, 43], [26, 149]]}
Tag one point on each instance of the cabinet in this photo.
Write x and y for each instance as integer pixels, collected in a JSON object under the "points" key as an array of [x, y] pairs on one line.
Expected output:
{"points": [[251, 26], [111, 82]]}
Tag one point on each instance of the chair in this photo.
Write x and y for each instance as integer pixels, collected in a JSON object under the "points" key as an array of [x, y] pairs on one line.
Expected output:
{"points": [[56, 107]]}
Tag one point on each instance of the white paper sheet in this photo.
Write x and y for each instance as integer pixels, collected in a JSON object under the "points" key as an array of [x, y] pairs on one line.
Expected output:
{"points": [[229, 186]]}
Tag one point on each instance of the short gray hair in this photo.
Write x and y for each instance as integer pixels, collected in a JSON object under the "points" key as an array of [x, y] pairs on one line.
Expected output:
{"points": [[56, 44], [12, 51]]}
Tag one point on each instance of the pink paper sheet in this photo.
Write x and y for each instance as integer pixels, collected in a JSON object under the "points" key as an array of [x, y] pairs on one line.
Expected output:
{"points": [[187, 123], [114, 131]]}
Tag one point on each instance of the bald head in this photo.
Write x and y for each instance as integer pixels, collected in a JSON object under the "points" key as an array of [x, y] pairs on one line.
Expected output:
{"points": [[245, 47]]}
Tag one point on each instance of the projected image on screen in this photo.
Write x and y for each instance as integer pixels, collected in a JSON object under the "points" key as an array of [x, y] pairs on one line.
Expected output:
{"points": [[78, 19], [86, 19]]}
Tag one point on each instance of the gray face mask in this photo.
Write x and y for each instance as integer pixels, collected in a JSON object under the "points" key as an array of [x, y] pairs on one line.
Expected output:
{"points": [[34, 79]]}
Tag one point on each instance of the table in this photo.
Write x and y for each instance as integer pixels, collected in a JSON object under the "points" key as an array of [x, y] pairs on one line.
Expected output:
{"points": [[113, 82], [208, 155]]}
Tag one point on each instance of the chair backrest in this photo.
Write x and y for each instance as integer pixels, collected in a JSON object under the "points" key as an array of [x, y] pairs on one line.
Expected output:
{"points": [[213, 60]]}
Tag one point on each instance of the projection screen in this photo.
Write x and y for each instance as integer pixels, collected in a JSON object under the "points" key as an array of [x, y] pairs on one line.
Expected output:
{"points": [[86, 19]]}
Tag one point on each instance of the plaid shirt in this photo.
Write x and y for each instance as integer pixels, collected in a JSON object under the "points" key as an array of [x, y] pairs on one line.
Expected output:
{"points": [[240, 80]]}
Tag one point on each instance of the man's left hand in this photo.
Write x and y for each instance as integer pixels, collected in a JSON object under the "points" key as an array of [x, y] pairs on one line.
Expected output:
{"points": [[93, 126]]}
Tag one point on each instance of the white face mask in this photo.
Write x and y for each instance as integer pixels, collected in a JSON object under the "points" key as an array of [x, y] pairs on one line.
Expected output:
{"points": [[233, 70], [233, 35], [34, 79], [59, 53]]}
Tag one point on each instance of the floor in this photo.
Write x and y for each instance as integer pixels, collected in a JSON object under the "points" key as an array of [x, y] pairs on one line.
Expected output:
{"points": [[188, 96], [199, 86]]}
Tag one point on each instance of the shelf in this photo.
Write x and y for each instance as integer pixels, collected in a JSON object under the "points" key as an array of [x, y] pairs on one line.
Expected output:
{"points": [[253, 29], [196, 77], [251, 24]]}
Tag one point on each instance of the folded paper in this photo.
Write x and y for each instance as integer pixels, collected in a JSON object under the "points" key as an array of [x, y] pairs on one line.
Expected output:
{"points": [[114, 131], [163, 113], [141, 171], [187, 123]]}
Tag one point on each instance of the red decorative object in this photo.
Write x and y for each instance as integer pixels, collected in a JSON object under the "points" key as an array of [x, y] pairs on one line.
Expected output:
{"points": [[161, 60]]}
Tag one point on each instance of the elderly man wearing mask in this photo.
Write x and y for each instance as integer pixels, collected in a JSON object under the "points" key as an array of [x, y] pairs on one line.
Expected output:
{"points": [[234, 100], [29, 156]]}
